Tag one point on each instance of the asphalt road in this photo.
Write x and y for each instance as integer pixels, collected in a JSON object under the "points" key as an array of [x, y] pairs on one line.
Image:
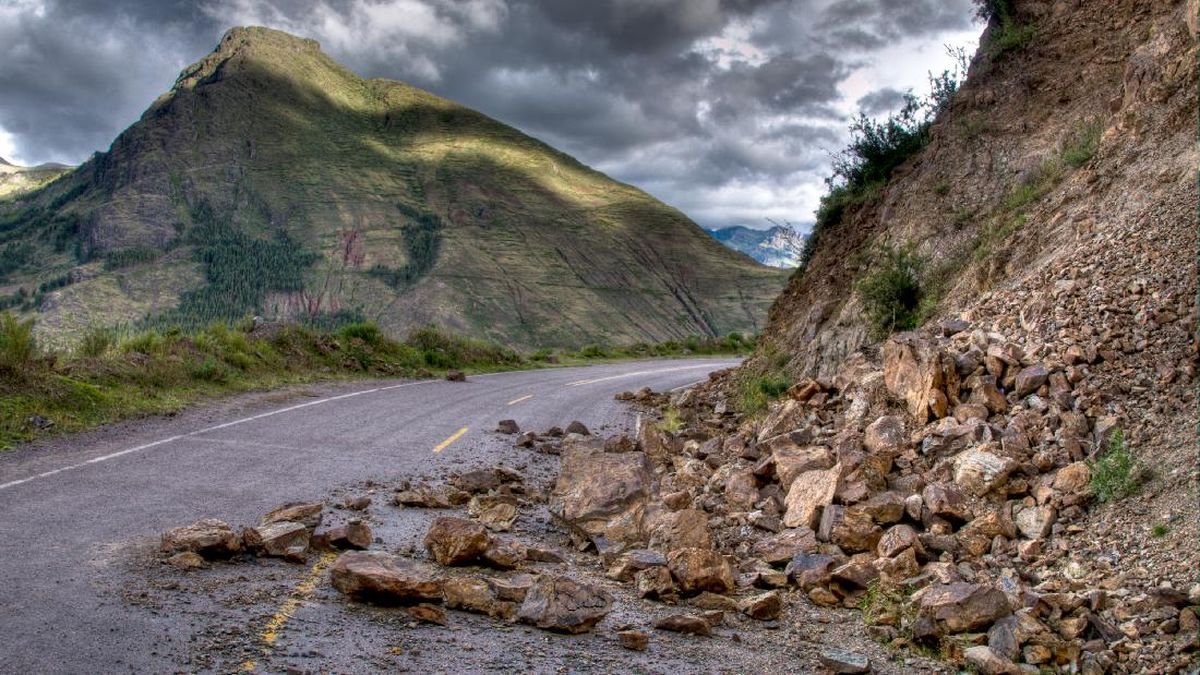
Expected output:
{"points": [[70, 510]]}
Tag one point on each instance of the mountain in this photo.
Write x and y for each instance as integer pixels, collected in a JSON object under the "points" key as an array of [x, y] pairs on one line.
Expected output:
{"points": [[779, 246], [272, 180], [17, 180]]}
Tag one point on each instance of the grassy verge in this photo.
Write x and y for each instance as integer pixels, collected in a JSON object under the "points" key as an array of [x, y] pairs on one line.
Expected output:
{"points": [[110, 376]]}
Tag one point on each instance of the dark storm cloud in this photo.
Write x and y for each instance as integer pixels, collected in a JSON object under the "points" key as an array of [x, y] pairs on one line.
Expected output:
{"points": [[728, 109], [881, 101]]}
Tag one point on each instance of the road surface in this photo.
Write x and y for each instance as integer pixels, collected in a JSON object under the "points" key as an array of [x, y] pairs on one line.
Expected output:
{"points": [[71, 509]]}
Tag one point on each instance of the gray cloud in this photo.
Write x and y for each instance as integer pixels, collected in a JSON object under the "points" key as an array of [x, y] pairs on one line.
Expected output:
{"points": [[728, 109]]}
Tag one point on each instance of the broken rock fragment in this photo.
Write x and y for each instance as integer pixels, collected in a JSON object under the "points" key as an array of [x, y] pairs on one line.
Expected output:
{"points": [[564, 605], [374, 575], [210, 538], [456, 541]]}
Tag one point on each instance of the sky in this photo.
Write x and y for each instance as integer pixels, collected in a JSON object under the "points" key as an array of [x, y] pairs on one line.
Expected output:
{"points": [[729, 110]]}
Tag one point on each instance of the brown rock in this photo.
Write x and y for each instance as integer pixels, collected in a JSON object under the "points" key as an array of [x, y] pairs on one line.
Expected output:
{"points": [[808, 494], [381, 576], [809, 570], [655, 583], [957, 608], [187, 560], [986, 393], [763, 607], [561, 604], [987, 662], [602, 496], [634, 640], [456, 376], [456, 541], [946, 501], [472, 594], [782, 547], [630, 563], [913, 368], [684, 623], [791, 460], [699, 570], [577, 427], [359, 503], [713, 602], [851, 528], [857, 573], [803, 390], [1073, 479], [886, 435], [499, 517], [896, 540], [1029, 379], [355, 534], [427, 613], [307, 514], [741, 490], [884, 508], [504, 554], [209, 537], [687, 528]]}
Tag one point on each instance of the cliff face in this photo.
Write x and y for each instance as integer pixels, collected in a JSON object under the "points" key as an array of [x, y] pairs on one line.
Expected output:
{"points": [[1005, 222]]}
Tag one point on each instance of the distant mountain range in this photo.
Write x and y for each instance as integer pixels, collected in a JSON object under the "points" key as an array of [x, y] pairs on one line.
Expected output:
{"points": [[778, 246], [271, 180], [15, 180]]}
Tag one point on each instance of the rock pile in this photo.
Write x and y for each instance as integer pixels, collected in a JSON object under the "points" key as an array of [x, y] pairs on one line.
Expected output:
{"points": [[936, 490]]}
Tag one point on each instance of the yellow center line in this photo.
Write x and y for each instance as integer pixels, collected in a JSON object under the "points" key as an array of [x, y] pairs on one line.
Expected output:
{"points": [[518, 400], [279, 619], [446, 443]]}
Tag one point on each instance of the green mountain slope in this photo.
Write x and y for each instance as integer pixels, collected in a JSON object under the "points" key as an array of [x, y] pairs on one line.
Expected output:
{"points": [[272, 180]]}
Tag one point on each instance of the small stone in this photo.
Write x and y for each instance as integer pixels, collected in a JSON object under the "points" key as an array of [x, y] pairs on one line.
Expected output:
{"points": [[763, 607], [427, 613], [634, 640], [699, 570], [305, 513], [187, 560], [844, 662], [209, 537], [561, 604], [377, 575], [988, 662], [456, 376], [508, 427], [684, 623], [577, 427]]}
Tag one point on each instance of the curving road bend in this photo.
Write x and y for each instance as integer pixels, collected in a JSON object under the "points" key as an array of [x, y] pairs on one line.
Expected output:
{"points": [[68, 508]]}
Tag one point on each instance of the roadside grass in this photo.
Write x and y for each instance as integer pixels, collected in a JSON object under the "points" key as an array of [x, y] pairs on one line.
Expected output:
{"points": [[112, 375]]}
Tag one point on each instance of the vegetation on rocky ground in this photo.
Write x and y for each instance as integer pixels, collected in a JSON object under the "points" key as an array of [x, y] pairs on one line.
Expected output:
{"points": [[1115, 474], [113, 374]]}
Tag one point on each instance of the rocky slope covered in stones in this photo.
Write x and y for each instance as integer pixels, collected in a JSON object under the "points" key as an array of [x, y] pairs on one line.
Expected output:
{"points": [[271, 180], [957, 480]]}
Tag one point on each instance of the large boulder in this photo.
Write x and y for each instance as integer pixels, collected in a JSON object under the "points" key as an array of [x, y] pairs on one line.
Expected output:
{"points": [[1031, 378], [885, 435], [374, 575], [808, 494], [918, 373], [601, 496], [456, 541], [699, 570], [278, 539], [210, 538], [792, 460], [356, 535], [782, 547], [561, 604], [472, 594], [958, 608]]}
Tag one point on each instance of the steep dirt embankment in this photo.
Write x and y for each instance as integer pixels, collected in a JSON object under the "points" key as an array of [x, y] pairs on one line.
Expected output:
{"points": [[1129, 212]]}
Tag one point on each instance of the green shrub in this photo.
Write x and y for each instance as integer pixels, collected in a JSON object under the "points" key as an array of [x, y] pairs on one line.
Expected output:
{"points": [[756, 391], [1159, 531], [130, 257], [211, 370], [96, 341], [1114, 474], [366, 331], [1083, 144], [18, 347], [593, 351], [892, 292]]}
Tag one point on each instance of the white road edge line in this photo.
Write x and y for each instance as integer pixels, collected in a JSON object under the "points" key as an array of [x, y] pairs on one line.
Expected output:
{"points": [[636, 373], [685, 386], [164, 441]]}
